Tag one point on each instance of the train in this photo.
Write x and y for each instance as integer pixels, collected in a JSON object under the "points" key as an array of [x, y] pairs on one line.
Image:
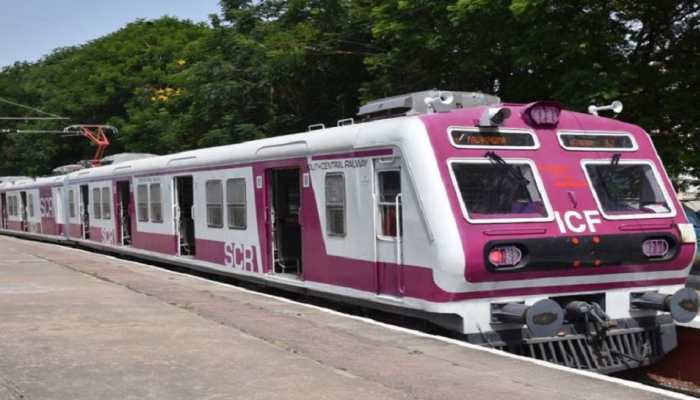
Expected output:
{"points": [[530, 228]]}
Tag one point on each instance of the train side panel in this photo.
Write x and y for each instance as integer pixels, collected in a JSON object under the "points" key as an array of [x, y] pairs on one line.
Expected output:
{"points": [[220, 239], [153, 232]]}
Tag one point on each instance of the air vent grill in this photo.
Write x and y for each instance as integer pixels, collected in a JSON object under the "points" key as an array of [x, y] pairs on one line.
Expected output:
{"points": [[424, 102]]}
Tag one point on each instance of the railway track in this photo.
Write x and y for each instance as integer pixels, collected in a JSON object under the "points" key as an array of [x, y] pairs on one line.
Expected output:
{"points": [[678, 371]]}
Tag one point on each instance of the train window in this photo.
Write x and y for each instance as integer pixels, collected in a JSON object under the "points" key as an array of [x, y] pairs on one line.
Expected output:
{"points": [[142, 202], [498, 191], [335, 204], [389, 188], [236, 203], [215, 204], [156, 203], [10, 206], [106, 203], [96, 203], [597, 141], [492, 138], [71, 203], [627, 188], [30, 204]]}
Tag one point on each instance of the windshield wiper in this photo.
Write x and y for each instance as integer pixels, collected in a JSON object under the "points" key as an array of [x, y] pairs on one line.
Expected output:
{"points": [[604, 179], [505, 194], [511, 169], [614, 162]]}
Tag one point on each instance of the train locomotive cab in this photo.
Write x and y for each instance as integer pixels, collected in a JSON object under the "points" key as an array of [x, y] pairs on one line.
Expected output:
{"points": [[575, 249]]}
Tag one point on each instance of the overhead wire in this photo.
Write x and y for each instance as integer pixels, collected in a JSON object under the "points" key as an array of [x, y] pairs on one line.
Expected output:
{"points": [[37, 110], [30, 131]]}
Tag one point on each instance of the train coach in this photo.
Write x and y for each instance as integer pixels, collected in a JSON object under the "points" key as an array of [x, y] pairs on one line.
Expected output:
{"points": [[526, 227]]}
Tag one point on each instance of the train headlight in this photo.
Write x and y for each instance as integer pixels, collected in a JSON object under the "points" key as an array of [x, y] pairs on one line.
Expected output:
{"points": [[655, 248], [544, 114], [505, 256], [687, 233]]}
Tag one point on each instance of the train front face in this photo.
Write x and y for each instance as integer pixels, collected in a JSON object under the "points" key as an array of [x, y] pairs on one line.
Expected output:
{"points": [[576, 248]]}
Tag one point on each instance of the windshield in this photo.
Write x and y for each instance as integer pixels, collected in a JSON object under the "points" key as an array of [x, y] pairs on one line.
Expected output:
{"points": [[493, 191], [627, 189]]}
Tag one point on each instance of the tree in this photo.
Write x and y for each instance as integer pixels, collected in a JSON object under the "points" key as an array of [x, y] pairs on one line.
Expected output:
{"points": [[271, 67], [93, 83], [578, 52]]}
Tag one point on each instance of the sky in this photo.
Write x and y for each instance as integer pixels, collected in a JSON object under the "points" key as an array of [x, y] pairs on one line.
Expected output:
{"points": [[30, 29]]}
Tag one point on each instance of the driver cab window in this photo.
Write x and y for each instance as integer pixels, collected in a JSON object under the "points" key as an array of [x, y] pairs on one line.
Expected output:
{"points": [[389, 185]]}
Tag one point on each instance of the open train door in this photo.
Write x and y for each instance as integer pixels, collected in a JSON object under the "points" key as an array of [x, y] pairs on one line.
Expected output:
{"points": [[85, 211], [285, 221], [183, 206], [23, 211], [389, 251], [125, 212], [3, 210]]}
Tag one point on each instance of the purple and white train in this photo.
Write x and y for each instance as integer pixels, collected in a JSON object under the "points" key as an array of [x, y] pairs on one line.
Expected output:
{"points": [[525, 227]]}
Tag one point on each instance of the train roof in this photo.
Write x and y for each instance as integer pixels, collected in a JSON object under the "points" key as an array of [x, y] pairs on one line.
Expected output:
{"points": [[321, 141], [381, 132], [26, 183]]}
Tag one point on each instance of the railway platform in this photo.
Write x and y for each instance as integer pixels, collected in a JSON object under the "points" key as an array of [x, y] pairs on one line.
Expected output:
{"points": [[79, 325]]}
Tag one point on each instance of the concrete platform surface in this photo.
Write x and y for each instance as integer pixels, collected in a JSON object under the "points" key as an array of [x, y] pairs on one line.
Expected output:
{"points": [[77, 325]]}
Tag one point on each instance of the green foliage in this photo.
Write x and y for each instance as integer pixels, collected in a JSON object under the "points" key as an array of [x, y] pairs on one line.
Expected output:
{"points": [[270, 67], [100, 82], [577, 52]]}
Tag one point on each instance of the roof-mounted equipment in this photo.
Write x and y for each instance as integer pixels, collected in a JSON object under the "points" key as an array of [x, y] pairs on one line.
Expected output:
{"points": [[125, 157], [346, 121], [12, 179], [97, 134], [494, 116], [316, 127], [425, 102], [615, 106], [67, 169], [542, 114]]}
